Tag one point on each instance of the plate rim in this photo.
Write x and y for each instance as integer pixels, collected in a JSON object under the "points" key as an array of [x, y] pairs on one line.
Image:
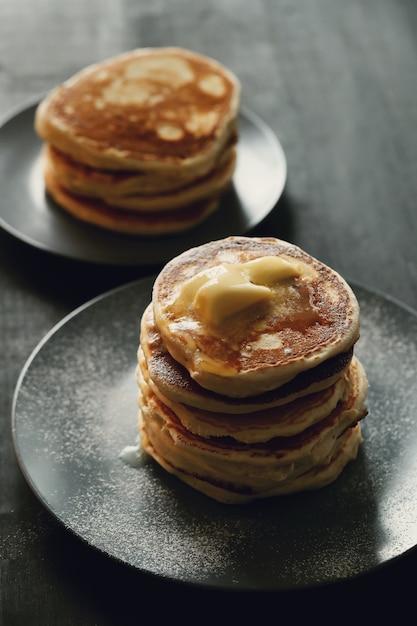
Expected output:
{"points": [[264, 130]]}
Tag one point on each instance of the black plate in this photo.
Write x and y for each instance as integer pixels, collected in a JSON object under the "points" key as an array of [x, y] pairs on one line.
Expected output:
{"points": [[28, 214], [75, 411]]}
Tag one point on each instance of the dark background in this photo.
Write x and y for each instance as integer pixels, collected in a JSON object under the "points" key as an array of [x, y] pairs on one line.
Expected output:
{"points": [[337, 82]]}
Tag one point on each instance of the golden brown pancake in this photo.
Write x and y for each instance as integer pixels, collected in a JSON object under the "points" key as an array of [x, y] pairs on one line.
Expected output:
{"points": [[208, 188], [242, 472], [153, 223], [248, 386], [84, 180], [258, 426], [152, 131], [165, 109], [319, 476], [302, 320], [176, 383]]}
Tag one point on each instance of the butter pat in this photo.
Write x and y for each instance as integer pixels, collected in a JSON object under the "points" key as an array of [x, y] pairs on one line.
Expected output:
{"points": [[227, 289], [230, 293], [268, 270]]}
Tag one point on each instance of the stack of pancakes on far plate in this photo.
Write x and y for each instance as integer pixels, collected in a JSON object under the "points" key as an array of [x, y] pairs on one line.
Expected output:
{"points": [[143, 143], [248, 382]]}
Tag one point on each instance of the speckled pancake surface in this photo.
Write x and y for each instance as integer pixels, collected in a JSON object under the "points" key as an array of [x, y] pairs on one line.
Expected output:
{"points": [[174, 380], [311, 318], [143, 143], [166, 108]]}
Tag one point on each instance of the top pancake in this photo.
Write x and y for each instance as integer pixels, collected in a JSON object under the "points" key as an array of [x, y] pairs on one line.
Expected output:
{"points": [[311, 317], [165, 109]]}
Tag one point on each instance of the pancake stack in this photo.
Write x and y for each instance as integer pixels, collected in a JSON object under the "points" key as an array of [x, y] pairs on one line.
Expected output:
{"points": [[143, 143], [248, 383]]}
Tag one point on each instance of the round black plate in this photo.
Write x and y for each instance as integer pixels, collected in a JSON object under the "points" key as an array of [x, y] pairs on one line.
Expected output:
{"points": [[28, 214], [75, 411]]}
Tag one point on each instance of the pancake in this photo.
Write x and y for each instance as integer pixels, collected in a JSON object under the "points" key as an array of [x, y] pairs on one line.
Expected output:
{"points": [[248, 385], [208, 188], [150, 224], [247, 315], [143, 143], [160, 109], [317, 477], [236, 472], [258, 426], [176, 383], [84, 180]]}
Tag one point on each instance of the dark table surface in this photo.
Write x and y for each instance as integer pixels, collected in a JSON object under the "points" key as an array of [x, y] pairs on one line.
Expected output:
{"points": [[337, 82]]}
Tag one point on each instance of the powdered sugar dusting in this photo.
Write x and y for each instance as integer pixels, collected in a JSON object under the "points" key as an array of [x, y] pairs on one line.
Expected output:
{"points": [[133, 456], [76, 436], [149, 535]]}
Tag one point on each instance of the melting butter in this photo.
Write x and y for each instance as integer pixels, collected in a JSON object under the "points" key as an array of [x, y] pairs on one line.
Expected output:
{"points": [[269, 270], [223, 290]]}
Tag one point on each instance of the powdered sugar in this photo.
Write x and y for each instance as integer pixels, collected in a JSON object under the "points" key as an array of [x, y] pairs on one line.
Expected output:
{"points": [[76, 437]]}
